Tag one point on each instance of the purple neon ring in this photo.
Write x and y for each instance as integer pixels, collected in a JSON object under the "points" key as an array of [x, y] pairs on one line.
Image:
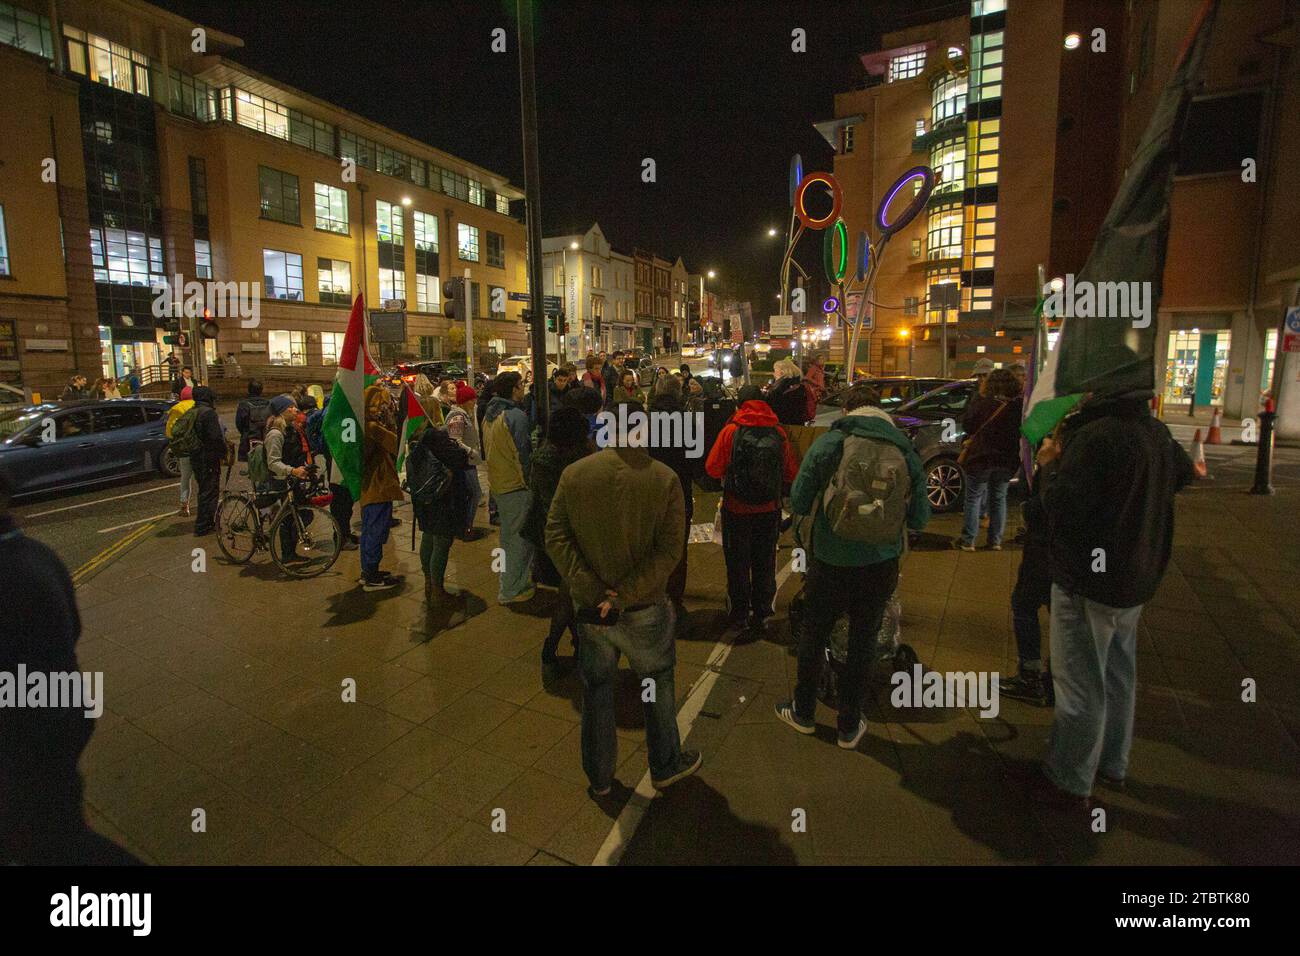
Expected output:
{"points": [[923, 173]]}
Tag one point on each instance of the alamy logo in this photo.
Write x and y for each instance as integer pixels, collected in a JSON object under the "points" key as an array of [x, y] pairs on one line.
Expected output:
{"points": [[921, 688], [75, 908], [651, 430], [1101, 300], [216, 300], [62, 689]]}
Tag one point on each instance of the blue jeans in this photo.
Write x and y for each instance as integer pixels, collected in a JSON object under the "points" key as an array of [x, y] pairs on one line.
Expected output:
{"points": [[375, 519], [990, 483], [1094, 671], [517, 575], [646, 637], [473, 495]]}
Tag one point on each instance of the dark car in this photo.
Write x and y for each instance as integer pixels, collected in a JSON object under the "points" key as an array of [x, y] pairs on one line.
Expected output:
{"points": [[933, 422], [54, 447], [895, 390], [437, 371]]}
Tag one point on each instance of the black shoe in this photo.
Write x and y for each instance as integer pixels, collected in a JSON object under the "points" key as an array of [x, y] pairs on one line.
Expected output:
{"points": [[1027, 686], [380, 582], [473, 534], [689, 762], [756, 624]]}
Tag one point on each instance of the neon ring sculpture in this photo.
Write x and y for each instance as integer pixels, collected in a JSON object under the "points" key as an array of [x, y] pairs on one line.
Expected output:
{"points": [[835, 271], [831, 305], [926, 175], [801, 194]]}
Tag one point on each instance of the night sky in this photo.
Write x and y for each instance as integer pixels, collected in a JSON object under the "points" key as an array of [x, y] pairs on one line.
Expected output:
{"points": [[710, 90]]}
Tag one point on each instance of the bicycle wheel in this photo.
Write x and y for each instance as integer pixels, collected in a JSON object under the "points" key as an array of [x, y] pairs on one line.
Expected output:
{"points": [[238, 528], [313, 537]]}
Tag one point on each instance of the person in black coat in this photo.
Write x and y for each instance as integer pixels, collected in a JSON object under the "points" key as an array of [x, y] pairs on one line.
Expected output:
{"points": [[441, 521], [668, 398], [250, 418], [207, 461], [787, 396], [991, 456]]}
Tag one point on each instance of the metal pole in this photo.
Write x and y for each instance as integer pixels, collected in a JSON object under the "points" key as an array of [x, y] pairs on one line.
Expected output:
{"points": [[533, 201]]}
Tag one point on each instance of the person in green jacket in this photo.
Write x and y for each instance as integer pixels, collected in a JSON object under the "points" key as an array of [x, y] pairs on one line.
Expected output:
{"points": [[628, 390], [846, 576]]}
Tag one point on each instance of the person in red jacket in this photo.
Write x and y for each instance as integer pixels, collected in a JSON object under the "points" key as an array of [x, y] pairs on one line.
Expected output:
{"points": [[755, 462]]}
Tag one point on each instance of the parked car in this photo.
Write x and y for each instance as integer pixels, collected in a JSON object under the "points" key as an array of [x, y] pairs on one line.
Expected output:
{"points": [[895, 390], [523, 365], [56, 447], [933, 422]]}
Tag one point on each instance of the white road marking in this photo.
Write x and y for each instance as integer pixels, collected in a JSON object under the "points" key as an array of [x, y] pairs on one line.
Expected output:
{"points": [[620, 835], [119, 527], [100, 501]]}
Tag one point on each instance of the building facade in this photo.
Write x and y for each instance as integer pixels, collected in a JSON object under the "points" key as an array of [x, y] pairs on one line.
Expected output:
{"points": [[176, 164], [1029, 113], [596, 283]]}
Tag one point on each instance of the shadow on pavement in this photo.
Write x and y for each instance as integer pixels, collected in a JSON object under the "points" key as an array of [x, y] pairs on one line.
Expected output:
{"points": [[691, 824]]}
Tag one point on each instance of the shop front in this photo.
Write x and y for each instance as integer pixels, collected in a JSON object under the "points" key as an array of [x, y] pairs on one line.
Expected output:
{"points": [[1196, 366]]}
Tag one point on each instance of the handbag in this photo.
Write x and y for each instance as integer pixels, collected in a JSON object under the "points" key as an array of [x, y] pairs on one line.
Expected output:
{"points": [[969, 442]]}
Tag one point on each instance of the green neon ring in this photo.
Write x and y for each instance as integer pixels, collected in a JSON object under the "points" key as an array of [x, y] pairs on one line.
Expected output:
{"points": [[834, 274]]}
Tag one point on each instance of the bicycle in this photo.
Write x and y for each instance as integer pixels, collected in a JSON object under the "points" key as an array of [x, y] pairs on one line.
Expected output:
{"points": [[242, 530]]}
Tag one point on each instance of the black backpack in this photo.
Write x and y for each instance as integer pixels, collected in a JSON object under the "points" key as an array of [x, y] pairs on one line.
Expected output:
{"points": [[428, 481], [754, 474], [259, 410]]}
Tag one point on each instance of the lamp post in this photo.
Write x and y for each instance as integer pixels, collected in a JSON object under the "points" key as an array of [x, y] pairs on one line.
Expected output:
{"points": [[905, 333]]}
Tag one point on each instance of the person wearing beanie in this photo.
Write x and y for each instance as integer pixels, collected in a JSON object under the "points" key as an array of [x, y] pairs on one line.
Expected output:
{"points": [[287, 454], [183, 461], [462, 425]]}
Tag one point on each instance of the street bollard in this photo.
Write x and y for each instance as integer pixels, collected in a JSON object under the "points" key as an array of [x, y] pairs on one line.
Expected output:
{"points": [[1264, 455]]}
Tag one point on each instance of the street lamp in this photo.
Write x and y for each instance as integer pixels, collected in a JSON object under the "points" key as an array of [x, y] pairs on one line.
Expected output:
{"points": [[906, 334], [771, 233]]}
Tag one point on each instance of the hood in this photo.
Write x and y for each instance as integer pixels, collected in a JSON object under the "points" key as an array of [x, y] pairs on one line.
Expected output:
{"points": [[203, 395], [873, 423], [376, 396], [1133, 405], [498, 406], [755, 412]]}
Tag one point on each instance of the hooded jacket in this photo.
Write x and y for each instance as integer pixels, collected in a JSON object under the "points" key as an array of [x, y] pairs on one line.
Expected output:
{"points": [[379, 469], [507, 445], [789, 399], [815, 473], [207, 423], [1111, 499], [753, 413], [674, 456]]}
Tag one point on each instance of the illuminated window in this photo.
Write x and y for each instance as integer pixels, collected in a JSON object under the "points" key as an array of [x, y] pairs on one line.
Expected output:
{"points": [[467, 242], [281, 275], [503, 205], [906, 66], [426, 293], [980, 236], [426, 232], [4, 245], [202, 259], [985, 66], [942, 293], [287, 347], [948, 160], [979, 8], [125, 257], [105, 62], [331, 347], [331, 209], [947, 98], [389, 225], [261, 114], [334, 281], [392, 284], [943, 237], [982, 143]]}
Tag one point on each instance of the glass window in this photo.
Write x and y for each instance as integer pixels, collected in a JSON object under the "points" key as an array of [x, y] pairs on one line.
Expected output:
{"points": [[982, 142], [202, 259], [430, 347], [279, 192], [948, 160], [4, 245], [943, 236], [476, 192], [426, 293], [392, 284], [331, 347], [980, 236], [111, 418], [125, 257], [1270, 356], [496, 250], [287, 348], [906, 66], [503, 205], [334, 281], [73, 423], [467, 246], [947, 98], [25, 30], [191, 97], [455, 185], [331, 209], [389, 225], [261, 114], [985, 81], [426, 232], [104, 62], [281, 275]]}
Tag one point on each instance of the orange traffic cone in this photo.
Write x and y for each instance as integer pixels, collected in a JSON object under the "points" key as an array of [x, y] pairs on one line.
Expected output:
{"points": [[1215, 437], [1198, 456]]}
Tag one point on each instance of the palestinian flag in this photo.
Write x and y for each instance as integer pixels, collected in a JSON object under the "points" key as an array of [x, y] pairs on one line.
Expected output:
{"points": [[1116, 355], [345, 417], [414, 421]]}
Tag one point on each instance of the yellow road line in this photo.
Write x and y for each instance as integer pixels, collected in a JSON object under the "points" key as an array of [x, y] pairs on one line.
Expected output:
{"points": [[111, 551]]}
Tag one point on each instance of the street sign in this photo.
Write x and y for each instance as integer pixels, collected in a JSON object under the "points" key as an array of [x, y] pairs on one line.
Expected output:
{"points": [[780, 325], [1291, 340], [551, 303], [388, 327], [519, 297]]}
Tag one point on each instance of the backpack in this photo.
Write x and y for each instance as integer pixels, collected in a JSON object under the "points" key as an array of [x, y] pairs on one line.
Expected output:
{"points": [[185, 436], [259, 472], [428, 481], [259, 410], [754, 474], [316, 433], [866, 499]]}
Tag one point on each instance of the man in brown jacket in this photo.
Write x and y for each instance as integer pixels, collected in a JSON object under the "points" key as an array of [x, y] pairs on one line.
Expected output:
{"points": [[379, 488], [615, 534]]}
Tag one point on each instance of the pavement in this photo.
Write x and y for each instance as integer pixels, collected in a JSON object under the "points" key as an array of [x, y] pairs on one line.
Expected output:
{"points": [[225, 691]]}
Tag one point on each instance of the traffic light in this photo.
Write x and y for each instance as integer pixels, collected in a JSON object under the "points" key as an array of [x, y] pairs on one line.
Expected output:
{"points": [[453, 298], [550, 321]]}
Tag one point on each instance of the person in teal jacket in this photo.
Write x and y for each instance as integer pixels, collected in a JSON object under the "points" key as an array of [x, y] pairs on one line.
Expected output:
{"points": [[846, 576]]}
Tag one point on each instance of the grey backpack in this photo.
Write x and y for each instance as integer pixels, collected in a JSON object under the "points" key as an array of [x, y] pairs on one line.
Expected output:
{"points": [[866, 499]]}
